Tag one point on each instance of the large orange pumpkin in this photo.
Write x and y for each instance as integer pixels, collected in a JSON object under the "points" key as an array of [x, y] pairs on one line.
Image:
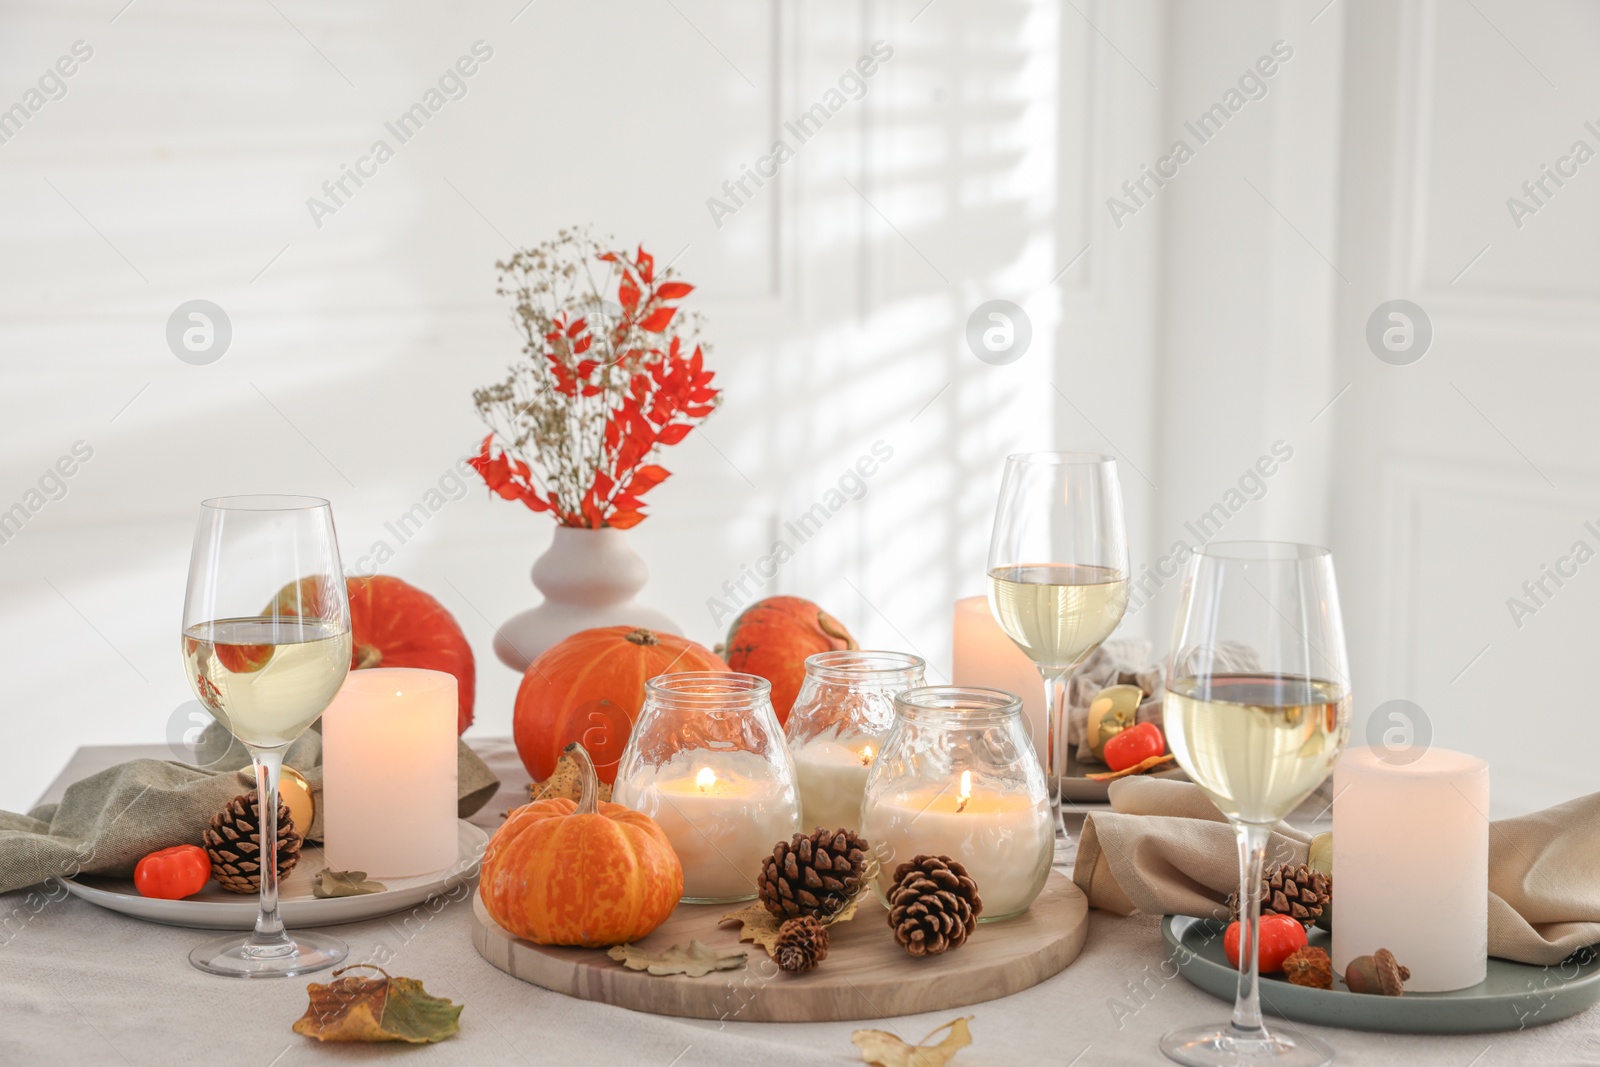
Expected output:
{"points": [[772, 638], [589, 688], [395, 624], [588, 873]]}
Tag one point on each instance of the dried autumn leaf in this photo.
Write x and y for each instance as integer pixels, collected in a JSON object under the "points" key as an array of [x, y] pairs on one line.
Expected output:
{"points": [[1138, 768], [330, 883], [696, 961], [376, 1009], [760, 925], [886, 1050], [565, 781]]}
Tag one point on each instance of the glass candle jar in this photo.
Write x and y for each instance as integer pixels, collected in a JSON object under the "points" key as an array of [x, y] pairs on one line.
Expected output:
{"points": [[837, 727], [958, 777], [707, 761]]}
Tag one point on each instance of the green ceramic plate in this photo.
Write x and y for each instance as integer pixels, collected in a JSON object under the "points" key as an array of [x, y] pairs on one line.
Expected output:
{"points": [[1514, 995]]}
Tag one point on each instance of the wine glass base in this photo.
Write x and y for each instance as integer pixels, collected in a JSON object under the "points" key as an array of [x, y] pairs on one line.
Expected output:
{"points": [[1210, 1046], [236, 957]]}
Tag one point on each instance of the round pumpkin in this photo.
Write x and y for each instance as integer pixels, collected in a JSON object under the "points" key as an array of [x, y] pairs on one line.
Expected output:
{"points": [[588, 873], [772, 639], [589, 688], [395, 624]]}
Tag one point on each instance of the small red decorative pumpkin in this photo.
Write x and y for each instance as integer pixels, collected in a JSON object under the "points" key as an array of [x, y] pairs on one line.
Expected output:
{"points": [[772, 639], [589, 874], [589, 688], [395, 624]]}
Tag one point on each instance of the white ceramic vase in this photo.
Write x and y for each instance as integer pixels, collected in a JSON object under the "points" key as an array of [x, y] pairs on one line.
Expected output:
{"points": [[589, 578]]}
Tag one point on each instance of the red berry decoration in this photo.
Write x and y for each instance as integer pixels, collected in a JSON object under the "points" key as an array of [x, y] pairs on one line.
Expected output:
{"points": [[1281, 937], [1135, 745], [173, 873]]}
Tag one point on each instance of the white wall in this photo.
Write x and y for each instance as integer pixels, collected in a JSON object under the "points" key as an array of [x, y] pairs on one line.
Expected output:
{"points": [[1216, 320]]}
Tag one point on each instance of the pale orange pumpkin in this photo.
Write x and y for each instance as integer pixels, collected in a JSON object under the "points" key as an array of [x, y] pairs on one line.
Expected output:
{"points": [[589, 874]]}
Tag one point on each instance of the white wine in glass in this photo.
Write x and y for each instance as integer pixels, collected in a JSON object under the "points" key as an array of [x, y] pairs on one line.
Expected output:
{"points": [[266, 645], [1058, 576], [1257, 710]]}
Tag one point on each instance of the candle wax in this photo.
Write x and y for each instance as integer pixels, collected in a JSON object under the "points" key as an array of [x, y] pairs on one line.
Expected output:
{"points": [[832, 777]]}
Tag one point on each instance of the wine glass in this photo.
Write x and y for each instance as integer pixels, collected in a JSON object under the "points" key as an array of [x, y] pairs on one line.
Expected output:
{"points": [[1058, 575], [266, 645], [1257, 710]]}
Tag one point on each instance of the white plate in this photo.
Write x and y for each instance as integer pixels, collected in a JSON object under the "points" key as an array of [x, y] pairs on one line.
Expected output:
{"points": [[216, 909]]}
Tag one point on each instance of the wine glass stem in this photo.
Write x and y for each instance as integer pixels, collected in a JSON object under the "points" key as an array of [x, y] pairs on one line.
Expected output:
{"points": [[1247, 1001], [1055, 760], [269, 927]]}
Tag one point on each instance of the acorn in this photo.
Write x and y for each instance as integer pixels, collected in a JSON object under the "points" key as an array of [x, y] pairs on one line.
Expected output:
{"points": [[1379, 974]]}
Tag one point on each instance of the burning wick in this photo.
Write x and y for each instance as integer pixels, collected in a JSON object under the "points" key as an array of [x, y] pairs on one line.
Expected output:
{"points": [[866, 755], [966, 792], [705, 779]]}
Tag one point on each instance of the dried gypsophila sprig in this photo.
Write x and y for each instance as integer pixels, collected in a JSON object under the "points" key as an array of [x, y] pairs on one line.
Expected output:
{"points": [[603, 384]]}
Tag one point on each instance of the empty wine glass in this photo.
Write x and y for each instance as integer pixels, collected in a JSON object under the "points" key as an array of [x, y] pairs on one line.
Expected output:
{"points": [[266, 645]]}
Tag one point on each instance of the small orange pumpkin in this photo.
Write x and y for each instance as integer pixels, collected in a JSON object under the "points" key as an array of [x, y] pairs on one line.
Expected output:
{"points": [[589, 874]]}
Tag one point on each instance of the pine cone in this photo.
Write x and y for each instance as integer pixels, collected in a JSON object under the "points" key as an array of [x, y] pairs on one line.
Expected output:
{"points": [[815, 875], [934, 905], [802, 944], [233, 842], [1295, 891]]}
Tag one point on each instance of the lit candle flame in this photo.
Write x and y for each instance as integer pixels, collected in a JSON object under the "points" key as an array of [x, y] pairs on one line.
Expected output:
{"points": [[866, 755], [705, 779], [966, 792]]}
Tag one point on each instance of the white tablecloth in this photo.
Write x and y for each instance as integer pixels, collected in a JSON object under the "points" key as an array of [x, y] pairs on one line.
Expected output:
{"points": [[79, 985]]}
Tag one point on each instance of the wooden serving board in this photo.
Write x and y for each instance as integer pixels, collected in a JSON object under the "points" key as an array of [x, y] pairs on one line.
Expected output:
{"points": [[866, 975]]}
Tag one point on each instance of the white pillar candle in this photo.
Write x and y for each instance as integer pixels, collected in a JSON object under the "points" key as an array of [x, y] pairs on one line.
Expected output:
{"points": [[1411, 864], [1004, 839], [832, 777], [723, 813], [986, 657], [389, 773]]}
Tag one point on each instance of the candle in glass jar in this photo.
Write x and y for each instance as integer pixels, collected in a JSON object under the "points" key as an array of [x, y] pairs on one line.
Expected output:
{"points": [[832, 777], [985, 656], [389, 773], [1003, 838], [722, 820], [1411, 859]]}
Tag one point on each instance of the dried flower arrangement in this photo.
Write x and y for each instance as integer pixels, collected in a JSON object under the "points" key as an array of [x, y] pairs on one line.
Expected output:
{"points": [[611, 374]]}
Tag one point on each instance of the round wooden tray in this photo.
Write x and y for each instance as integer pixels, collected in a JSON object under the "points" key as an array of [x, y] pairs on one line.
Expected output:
{"points": [[866, 975]]}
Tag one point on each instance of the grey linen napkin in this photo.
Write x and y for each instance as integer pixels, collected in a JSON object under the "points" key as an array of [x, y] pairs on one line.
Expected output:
{"points": [[1164, 849], [107, 822]]}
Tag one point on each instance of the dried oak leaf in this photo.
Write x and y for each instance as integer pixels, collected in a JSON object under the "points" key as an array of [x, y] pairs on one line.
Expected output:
{"points": [[330, 883], [565, 781], [696, 961], [886, 1050], [376, 1009], [761, 926]]}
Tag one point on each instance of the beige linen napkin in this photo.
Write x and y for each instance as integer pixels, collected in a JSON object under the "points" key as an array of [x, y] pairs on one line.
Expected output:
{"points": [[107, 822], [1164, 849]]}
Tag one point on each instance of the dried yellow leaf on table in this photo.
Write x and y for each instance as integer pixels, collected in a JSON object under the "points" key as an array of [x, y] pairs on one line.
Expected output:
{"points": [[696, 961], [376, 1009], [887, 1050], [760, 926], [330, 883]]}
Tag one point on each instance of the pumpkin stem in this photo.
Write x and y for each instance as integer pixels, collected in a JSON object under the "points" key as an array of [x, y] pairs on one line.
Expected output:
{"points": [[835, 629], [589, 798], [643, 637], [367, 656]]}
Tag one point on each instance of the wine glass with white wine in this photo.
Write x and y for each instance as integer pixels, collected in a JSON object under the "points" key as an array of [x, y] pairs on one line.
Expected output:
{"points": [[1257, 710], [266, 645], [1058, 575]]}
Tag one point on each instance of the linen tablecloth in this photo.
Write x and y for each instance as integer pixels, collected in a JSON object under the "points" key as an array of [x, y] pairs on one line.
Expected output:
{"points": [[80, 985]]}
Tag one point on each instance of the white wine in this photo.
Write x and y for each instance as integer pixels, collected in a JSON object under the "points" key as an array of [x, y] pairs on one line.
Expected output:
{"points": [[266, 679], [1257, 744], [1058, 612]]}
